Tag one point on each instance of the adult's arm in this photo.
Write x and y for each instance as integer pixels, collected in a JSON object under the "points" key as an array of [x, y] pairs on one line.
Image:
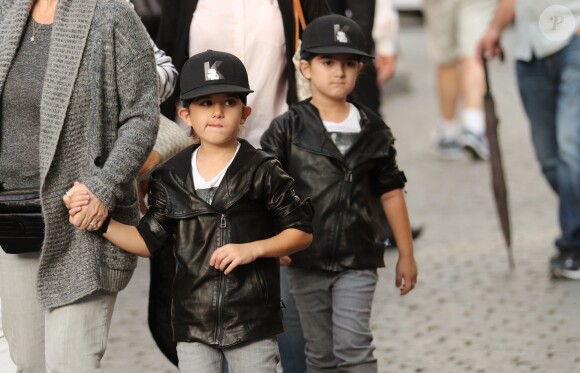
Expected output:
{"points": [[489, 46], [385, 31], [138, 103], [166, 73], [173, 38]]}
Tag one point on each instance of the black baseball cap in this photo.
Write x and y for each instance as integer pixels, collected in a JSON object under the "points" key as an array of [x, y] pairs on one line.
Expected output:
{"points": [[333, 34], [212, 72]]}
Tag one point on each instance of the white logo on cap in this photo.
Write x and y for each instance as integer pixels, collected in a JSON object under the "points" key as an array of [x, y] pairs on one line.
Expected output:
{"points": [[212, 72], [340, 33]]}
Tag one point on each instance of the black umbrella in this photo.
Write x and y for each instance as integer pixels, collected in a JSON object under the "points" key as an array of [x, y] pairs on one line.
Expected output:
{"points": [[497, 175]]}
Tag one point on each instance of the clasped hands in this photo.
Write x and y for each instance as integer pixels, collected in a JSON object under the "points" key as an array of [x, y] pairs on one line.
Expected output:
{"points": [[86, 211]]}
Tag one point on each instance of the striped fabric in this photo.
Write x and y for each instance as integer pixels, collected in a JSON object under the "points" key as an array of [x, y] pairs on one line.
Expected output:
{"points": [[166, 73]]}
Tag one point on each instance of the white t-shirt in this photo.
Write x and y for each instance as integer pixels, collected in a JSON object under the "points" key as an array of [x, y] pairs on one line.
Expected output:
{"points": [[205, 189], [344, 133]]}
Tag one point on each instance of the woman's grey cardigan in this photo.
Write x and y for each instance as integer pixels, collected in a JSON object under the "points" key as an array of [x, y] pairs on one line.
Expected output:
{"points": [[98, 120]]}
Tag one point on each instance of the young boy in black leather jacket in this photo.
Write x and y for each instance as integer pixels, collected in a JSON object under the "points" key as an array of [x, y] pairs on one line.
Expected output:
{"points": [[232, 213], [340, 154]]}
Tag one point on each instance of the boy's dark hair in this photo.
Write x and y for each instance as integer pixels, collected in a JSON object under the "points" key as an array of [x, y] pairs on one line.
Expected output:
{"points": [[308, 56], [242, 97]]}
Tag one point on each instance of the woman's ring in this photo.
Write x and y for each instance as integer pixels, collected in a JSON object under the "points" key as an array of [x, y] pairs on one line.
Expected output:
{"points": [[92, 225], [68, 194]]}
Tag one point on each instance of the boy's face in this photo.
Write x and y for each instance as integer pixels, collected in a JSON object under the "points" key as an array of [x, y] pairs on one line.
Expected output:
{"points": [[216, 118], [331, 76]]}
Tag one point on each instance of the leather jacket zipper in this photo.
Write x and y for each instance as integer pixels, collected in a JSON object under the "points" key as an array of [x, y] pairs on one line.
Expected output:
{"points": [[221, 287], [345, 181]]}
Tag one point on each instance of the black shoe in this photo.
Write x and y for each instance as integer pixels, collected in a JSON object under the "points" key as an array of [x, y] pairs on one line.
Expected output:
{"points": [[415, 233], [566, 264]]}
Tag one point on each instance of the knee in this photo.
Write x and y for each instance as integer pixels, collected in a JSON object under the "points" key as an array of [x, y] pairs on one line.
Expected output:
{"points": [[355, 352]]}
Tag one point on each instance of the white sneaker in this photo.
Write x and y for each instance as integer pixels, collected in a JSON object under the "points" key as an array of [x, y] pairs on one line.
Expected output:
{"points": [[476, 145]]}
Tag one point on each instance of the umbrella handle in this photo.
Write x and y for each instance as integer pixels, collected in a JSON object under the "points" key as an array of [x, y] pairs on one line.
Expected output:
{"points": [[485, 71]]}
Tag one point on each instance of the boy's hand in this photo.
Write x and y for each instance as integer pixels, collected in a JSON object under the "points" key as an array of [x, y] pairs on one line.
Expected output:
{"points": [[406, 274], [228, 257], [285, 260]]}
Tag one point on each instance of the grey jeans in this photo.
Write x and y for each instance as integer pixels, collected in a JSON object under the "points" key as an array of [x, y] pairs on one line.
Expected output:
{"points": [[335, 311], [256, 357], [70, 338]]}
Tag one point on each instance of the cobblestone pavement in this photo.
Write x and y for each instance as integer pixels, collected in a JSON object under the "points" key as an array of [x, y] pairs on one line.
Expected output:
{"points": [[469, 313]]}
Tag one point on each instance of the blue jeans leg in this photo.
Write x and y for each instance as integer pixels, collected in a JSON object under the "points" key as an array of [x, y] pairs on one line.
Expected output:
{"points": [[550, 88], [291, 342]]}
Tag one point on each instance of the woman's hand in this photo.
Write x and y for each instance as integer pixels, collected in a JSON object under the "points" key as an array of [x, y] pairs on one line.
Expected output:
{"points": [[85, 214], [76, 201], [69, 197]]}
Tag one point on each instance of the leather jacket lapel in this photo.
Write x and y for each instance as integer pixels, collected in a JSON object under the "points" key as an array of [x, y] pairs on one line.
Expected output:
{"points": [[312, 136], [238, 178], [235, 184]]}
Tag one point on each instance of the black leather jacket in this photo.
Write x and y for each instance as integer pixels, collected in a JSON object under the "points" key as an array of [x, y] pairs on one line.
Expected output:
{"points": [[346, 221], [254, 201]]}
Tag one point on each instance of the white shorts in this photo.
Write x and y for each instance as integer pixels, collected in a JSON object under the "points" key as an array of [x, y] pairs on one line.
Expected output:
{"points": [[454, 27]]}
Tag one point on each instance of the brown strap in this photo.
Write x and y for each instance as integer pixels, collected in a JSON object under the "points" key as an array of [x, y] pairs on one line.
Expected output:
{"points": [[299, 21]]}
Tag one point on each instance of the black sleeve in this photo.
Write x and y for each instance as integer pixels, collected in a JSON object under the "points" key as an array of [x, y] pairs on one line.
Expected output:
{"points": [[387, 174], [275, 139], [155, 227], [288, 210]]}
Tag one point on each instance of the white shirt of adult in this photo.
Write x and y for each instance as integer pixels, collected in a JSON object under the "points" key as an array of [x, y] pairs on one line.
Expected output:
{"points": [[538, 24], [253, 31]]}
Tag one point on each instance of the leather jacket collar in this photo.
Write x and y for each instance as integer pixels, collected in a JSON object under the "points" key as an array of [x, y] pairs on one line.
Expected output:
{"points": [[237, 181], [316, 139]]}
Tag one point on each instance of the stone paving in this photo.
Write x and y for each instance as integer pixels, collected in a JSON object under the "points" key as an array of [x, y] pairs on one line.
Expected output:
{"points": [[470, 312]]}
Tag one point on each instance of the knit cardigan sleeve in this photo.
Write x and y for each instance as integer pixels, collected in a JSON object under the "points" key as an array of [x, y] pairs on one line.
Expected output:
{"points": [[138, 102]]}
